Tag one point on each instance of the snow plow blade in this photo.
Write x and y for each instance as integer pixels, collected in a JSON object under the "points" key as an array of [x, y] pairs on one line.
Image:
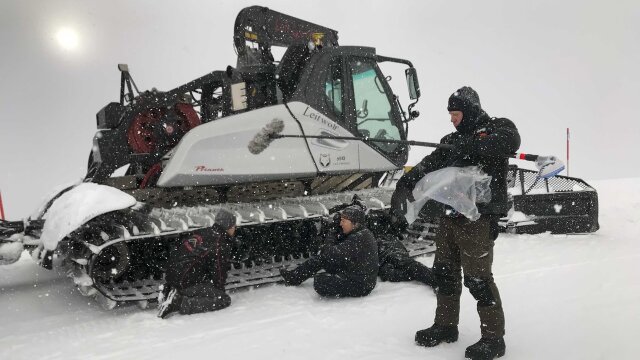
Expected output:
{"points": [[560, 205]]}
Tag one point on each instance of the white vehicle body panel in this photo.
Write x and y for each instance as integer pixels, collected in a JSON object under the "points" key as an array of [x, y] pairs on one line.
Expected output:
{"points": [[217, 153], [337, 156]]}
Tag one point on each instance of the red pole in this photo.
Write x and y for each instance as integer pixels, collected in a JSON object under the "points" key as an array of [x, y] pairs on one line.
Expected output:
{"points": [[1, 207], [567, 151]]}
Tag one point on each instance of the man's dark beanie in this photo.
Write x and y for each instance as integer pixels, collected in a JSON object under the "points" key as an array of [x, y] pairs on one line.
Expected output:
{"points": [[353, 213], [225, 219], [464, 99]]}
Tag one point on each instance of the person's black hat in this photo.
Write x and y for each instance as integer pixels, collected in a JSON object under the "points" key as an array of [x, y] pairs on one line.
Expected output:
{"points": [[225, 219], [464, 99], [353, 213]]}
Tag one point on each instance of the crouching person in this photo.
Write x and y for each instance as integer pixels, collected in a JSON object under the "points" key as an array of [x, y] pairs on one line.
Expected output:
{"points": [[350, 264], [197, 270], [396, 265]]}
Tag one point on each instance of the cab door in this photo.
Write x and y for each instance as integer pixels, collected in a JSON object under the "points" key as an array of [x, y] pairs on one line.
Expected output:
{"points": [[320, 111], [374, 115], [344, 93]]}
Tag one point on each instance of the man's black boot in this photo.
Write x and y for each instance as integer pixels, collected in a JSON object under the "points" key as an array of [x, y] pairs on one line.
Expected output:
{"points": [[304, 271], [486, 349], [292, 277], [436, 334]]}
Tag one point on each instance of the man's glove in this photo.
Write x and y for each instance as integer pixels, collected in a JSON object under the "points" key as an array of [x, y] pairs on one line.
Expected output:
{"points": [[333, 231], [399, 198]]}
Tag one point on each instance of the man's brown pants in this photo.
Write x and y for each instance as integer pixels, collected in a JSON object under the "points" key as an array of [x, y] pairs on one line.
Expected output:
{"points": [[467, 245]]}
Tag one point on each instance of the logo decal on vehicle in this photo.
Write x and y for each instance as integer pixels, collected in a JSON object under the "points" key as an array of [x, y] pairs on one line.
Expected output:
{"points": [[325, 160], [202, 168]]}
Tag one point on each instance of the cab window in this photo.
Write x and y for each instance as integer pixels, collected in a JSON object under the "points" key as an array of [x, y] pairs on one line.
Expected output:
{"points": [[372, 106]]}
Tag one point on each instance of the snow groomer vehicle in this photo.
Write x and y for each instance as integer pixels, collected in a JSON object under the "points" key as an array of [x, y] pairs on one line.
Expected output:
{"points": [[164, 162]]}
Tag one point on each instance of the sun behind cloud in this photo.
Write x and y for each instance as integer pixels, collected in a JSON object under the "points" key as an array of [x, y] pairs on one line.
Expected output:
{"points": [[67, 38]]}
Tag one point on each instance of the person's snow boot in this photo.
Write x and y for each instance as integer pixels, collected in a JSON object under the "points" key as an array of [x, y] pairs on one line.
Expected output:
{"points": [[486, 349], [292, 277], [301, 273], [170, 303], [436, 334]]}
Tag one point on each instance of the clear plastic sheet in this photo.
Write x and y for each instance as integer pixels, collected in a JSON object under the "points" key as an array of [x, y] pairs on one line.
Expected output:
{"points": [[459, 187]]}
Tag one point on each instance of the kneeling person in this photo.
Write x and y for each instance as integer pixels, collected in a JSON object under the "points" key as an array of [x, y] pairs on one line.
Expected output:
{"points": [[197, 270], [351, 264]]}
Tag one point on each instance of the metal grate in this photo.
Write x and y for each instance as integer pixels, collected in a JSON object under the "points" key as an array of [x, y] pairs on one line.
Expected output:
{"points": [[522, 180]]}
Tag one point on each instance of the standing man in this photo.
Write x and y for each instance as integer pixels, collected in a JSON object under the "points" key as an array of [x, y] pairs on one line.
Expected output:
{"points": [[351, 264], [463, 244], [197, 270]]}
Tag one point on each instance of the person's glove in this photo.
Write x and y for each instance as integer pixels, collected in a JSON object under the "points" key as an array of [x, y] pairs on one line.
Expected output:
{"points": [[333, 231], [323, 248], [399, 199], [335, 220]]}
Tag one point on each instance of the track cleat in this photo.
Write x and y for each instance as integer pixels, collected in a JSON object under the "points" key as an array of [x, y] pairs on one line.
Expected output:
{"points": [[486, 349], [436, 334]]}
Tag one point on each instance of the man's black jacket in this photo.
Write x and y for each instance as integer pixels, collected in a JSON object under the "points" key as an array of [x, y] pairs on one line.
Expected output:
{"points": [[355, 257], [492, 142], [202, 257]]}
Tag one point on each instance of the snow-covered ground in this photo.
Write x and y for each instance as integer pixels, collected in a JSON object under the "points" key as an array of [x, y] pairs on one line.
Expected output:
{"points": [[565, 297]]}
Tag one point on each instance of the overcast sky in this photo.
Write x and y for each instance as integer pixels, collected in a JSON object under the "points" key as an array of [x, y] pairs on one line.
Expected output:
{"points": [[547, 65]]}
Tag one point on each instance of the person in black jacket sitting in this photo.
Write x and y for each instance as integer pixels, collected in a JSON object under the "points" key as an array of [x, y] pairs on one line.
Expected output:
{"points": [[197, 270], [351, 264]]}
